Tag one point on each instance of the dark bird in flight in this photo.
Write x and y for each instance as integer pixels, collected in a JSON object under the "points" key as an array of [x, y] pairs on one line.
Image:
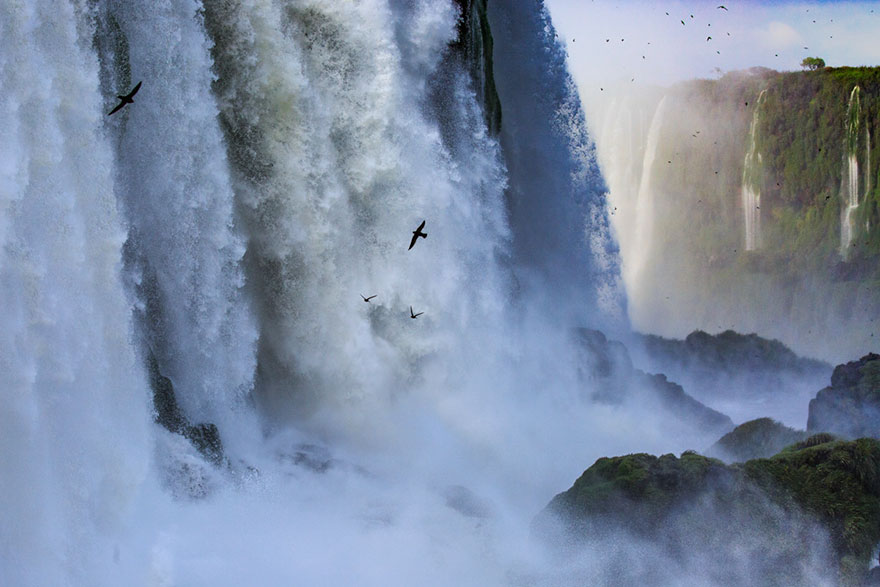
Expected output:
{"points": [[708, 38], [126, 99], [369, 298], [418, 233], [723, 7], [414, 316]]}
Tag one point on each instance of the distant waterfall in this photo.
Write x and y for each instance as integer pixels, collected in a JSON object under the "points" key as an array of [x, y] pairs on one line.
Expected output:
{"points": [[868, 178], [645, 201], [752, 180], [850, 189]]}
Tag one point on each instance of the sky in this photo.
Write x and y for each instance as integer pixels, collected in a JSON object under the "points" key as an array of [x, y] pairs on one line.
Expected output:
{"points": [[614, 42]]}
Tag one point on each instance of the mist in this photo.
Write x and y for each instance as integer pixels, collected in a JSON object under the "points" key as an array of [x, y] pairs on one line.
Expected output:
{"points": [[197, 392]]}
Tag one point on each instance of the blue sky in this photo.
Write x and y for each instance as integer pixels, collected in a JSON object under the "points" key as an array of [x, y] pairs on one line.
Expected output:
{"points": [[611, 42]]}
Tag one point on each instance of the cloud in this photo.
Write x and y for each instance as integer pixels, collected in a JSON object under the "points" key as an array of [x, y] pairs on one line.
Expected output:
{"points": [[778, 35]]}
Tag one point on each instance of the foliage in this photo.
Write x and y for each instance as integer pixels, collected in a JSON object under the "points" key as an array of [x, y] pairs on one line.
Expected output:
{"points": [[759, 438], [850, 406], [813, 63], [475, 43], [839, 482], [802, 139], [834, 483]]}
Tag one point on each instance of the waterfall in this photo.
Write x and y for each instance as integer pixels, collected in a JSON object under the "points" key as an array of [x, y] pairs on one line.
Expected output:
{"points": [[623, 139], [338, 162], [850, 189], [74, 424], [868, 185], [644, 204], [184, 251], [752, 181], [553, 174], [209, 243], [868, 178]]}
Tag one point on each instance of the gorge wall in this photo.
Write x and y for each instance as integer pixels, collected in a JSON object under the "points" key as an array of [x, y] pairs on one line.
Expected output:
{"points": [[750, 202]]}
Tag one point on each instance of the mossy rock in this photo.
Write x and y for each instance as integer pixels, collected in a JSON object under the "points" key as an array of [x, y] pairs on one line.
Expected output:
{"points": [[205, 437], [838, 482], [783, 506], [760, 438], [607, 366], [850, 407]]}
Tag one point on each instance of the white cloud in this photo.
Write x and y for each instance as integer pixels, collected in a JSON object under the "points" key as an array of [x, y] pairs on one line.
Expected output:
{"points": [[779, 35]]}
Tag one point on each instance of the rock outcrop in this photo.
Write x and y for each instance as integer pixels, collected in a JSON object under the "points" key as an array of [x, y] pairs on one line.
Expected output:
{"points": [[850, 406], [756, 439], [607, 366], [815, 503]]}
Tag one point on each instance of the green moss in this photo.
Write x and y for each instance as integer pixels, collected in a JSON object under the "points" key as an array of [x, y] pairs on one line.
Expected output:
{"points": [[475, 43], [759, 438], [839, 483], [834, 483]]}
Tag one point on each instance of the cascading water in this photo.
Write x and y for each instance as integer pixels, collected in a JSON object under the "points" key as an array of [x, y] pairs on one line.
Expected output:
{"points": [[74, 433], [752, 180], [850, 189], [554, 176], [623, 135], [173, 181], [644, 207], [868, 185], [211, 241]]}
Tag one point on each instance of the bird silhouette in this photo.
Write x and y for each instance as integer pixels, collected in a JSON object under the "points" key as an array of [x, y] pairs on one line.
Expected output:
{"points": [[418, 233], [369, 298], [126, 99], [414, 316], [722, 7]]}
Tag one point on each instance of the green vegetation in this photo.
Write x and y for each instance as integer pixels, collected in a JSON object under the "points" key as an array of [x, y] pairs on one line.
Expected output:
{"points": [[755, 439], [851, 405], [823, 481], [837, 482], [813, 63], [728, 351], [475, 42], [803, 135]]}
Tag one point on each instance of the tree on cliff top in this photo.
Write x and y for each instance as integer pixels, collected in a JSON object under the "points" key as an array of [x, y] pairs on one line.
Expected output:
{"points": [[813, 63]]}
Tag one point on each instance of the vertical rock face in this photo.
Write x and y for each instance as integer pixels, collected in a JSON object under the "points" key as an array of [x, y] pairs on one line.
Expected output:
{"points": [[850, 406], [475, 43], [762, 206]]}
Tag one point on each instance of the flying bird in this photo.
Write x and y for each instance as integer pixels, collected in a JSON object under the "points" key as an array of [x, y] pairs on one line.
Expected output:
{"points": [[722, 7], [414, 316], [126, 99], [418, 233], [369, 298], [708, 38]]}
